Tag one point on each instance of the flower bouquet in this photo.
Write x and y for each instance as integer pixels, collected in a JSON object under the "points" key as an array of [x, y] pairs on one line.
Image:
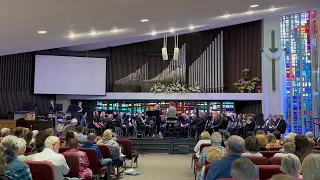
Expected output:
{"points": [[248, 85]]}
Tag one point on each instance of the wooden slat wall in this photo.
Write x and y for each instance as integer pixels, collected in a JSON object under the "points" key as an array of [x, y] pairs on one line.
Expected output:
{"points": [[16, 83], [248, 107]]}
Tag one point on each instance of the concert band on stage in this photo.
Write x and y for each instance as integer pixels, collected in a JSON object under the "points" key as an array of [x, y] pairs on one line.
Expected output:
{"points": [[187, 125]]}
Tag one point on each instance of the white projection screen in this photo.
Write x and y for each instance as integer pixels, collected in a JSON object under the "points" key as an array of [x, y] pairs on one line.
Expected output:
{"points": [[69, 75]]}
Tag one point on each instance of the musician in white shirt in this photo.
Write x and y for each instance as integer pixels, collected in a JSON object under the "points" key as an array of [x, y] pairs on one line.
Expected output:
{"points": [[51, 154]]}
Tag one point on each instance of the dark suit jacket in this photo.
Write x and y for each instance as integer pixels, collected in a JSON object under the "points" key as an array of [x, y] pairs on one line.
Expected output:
{"points": [[52, 109], [201, 124], [223, 124], [282, 126]]}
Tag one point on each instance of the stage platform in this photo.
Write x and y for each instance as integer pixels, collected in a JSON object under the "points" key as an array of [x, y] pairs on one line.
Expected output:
{"points": [[154, 145]]}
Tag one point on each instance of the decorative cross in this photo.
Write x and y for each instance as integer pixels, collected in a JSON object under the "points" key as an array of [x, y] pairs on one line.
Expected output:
{"points": [[273, 49]]}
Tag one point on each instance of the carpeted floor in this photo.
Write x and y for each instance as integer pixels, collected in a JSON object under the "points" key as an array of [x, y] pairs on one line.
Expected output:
{"points": [[163, 167]]}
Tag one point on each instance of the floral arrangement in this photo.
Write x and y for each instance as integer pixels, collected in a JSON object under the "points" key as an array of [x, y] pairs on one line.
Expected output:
{"points": [[247, 84], [175, 87]]}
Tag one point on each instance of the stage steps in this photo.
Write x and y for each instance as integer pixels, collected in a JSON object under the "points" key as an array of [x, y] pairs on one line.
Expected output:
{"points": [[144, 145]]}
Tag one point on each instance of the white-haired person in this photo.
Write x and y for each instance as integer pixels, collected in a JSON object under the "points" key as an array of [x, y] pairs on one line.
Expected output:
{"points": [[288, 138], [216, 139], [289, 147], [21, 143], [309, 134], [291, 165], [243, 169], [51, 154], [4, 132], [114, 148], [11, 167], [311, 167], [205, 139]]}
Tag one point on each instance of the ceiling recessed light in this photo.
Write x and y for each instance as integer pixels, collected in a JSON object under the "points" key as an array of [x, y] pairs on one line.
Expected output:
{"points": [[255, 5], [153, 33], [144, 20], [172, 30], [249, 12], [191, 27], [272, 9], [42, 32], [226, 15], [93, 33], [114, 30]]}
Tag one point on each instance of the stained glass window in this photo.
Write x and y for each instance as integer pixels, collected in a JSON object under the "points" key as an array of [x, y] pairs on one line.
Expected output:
{"points": [[298, 31]]}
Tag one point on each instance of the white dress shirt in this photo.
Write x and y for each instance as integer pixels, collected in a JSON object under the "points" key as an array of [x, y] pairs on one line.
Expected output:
{"points": [[197, 147], [58, 161]]}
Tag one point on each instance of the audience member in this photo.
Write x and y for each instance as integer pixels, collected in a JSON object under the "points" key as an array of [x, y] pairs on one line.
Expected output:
{"points": [[21, 144], [39, 141], [205, 139], [19, 132], [216, 139], [5, 132], [260, 131], [34, 134], [222, 169], [69, 136], [50, 131], [289, 147], [28, 137], [90, 144], [85, 172], [252, 147], [288, 138], [312, 143], [303, 147], [243, 169], [309, 134], [282, 177], [311, 167], [262, 139], [12, 167], [291, 165], [80, 131], [272, 141], [213, 154], [277, 134], [69, 128], [225, 136], [51, 154]]}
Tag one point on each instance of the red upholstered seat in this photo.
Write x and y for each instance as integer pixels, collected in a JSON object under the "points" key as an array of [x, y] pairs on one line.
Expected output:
{"points": [[41, 170], [206, 169], [316, 147], [28, 149], [29, 153], [73, 163], [127, 147], [267, 171], [104, 151], [203, 146], [275, 161], [259, 160], [268, 154], [63, 149], [93, 162], [275, 148]]}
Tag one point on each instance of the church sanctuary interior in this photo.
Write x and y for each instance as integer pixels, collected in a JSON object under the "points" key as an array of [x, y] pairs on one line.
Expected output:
{"points": [[159, 89]]}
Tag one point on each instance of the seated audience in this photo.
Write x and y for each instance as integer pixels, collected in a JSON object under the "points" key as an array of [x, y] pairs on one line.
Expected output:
{"points": [[28, 137], [90, 144], [282, 177], [81, 136], [216, 139], [262, 139], [309, 134], [303, 147], [13, 168], [205, 139], [225, 136], [50, 131], [213, 154], [272, 141], [252, 147], [21, 143], [5, 132], [85, 172], [260, 131], [277, 134], [19, 132], [312, 143], [39, 141], [51, 154], [288, 138], [69, 128], [311, 167], [34, 134], [114, 148], [243, 169], [222, 169], [291, 165], [289, 147], [69, 136]]}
